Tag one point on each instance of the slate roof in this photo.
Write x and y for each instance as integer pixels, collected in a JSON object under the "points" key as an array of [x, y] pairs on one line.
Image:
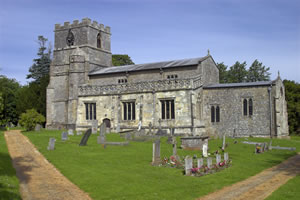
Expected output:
{"points": [[149, 66], [230, 85]]}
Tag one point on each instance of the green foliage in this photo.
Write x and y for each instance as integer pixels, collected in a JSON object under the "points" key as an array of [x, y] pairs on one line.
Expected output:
{"points": [[125, 168], [41, 65], [237, 73], [223, 74], [292, 95], [258, 72], [9, 183], [8, 89], [30, 119], [120, 60]]}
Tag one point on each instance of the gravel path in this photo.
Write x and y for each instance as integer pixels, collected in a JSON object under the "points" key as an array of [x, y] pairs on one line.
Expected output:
{"points": [[261, 185], [39, 179]]}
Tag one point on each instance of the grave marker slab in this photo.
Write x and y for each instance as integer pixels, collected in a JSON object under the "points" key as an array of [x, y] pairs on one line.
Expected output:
{"points": [[156, 153], [174, 148], [199, 162], [103, 129], [64, 136], [94, 126], [204, 150], [226, 158], [188, 165], [51, 144], [85, 137], [70, 132], [218, 159], [37, 127], [209, 162]]}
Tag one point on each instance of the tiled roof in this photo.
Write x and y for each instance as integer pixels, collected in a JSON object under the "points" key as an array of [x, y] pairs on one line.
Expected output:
{"points": [[229, 85]]}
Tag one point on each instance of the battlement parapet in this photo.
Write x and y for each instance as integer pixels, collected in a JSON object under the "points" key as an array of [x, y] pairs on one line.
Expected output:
{"points": [[84, 22]]}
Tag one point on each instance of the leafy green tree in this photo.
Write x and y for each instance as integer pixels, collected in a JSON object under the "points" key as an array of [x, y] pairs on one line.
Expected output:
{"points": [[258, 72], [41, 65], [237, 73], [292, 95], [30, 119], [8, 89], [120, 60], [223, 73]]}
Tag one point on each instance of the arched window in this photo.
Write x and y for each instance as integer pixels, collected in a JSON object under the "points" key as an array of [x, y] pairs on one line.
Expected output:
{"points": [[99, 40], [250, 107], [212, 114], [217, 114], [245, 106]]}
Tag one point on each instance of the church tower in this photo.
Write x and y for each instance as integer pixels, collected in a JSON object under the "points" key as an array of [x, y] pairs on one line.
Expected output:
{"points": [[78, 49]]}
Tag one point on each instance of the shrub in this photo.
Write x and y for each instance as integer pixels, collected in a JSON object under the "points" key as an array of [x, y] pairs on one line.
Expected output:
{"points": [[30, 119]]}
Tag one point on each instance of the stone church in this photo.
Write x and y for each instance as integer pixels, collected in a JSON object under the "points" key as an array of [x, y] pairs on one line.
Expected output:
{"points": [[182, 94]]}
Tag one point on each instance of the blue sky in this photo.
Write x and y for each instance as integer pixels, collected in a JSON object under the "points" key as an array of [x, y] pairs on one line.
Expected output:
{"points": [[158, 30]]}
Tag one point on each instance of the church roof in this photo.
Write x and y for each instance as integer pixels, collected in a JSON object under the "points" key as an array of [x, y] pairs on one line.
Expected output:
{"points": [[149, 66], [230, 85]]}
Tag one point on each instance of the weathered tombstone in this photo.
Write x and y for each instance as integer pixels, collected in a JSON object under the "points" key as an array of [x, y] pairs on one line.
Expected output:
{"points": [[226, 158], [209, 162], [95, 126], [218, 159], [103, 129], [204, 150], [70, 132], [156, 153], [199, 162], [128, 136], [78, 133], [188, 165], [51, 144], [174, 148], [37, 127], [85, 137], [270, 145], [64, 136], [223, 147]]}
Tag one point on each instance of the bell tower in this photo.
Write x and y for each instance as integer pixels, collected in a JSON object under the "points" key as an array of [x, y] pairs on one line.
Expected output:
{"points": [[79, 48]]}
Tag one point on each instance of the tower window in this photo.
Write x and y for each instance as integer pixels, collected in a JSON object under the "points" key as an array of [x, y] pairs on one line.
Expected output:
{"points": [[90, 111], [167, 109], [129, 110], [99, 40], [70, 38]]}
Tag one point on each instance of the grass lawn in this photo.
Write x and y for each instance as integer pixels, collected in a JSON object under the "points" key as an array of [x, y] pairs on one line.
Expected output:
{"points": [[9, 184], [125, 172]]}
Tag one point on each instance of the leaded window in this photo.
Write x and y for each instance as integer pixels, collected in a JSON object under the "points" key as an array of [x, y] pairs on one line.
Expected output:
{"points": [[212, 111], [167, 109], [90, 111], [128, 110], [217, 114], [250, 107], [245, 107]]}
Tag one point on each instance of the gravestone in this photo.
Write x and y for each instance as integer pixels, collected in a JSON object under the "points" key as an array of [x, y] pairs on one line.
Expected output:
{"points": [[204, 150], [140, 126], [70, 132], [78, 133], [188, 165], [85, 137], [128, 136], [209, 162], [226, 158], [223, 147], [199, 162], [270, 145], [103, 129], [258, 148], [37, 127], [64, 136], [174, 147], [156, 153], [101, 139], [51, 144], [218, 159], [193, 142], [95, 126]]}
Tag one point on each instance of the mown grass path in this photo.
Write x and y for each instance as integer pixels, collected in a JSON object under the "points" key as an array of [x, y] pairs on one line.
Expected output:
{"points": [[38, 178], [261, 185]]}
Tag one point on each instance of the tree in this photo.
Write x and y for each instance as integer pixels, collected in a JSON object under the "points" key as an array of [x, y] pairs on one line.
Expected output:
{"points": [[119, 60], [292, 95], [258, 72], [41, 65], [30, 119], [223, 73], [237, 73]]}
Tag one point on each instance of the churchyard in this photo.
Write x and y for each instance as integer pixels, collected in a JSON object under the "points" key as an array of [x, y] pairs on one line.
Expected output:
{"points": [[126, 171]]}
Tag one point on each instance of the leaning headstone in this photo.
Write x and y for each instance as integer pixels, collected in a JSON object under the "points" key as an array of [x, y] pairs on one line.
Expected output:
{"points": [[85, 137], [95, 126], [204, 150], [70, 132], [64, 136], [209, 162], [37, 127], [226, 158], [199, 162], [188, 165], [118, 129], [156, 153], [51, 144], [218, 159]]}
